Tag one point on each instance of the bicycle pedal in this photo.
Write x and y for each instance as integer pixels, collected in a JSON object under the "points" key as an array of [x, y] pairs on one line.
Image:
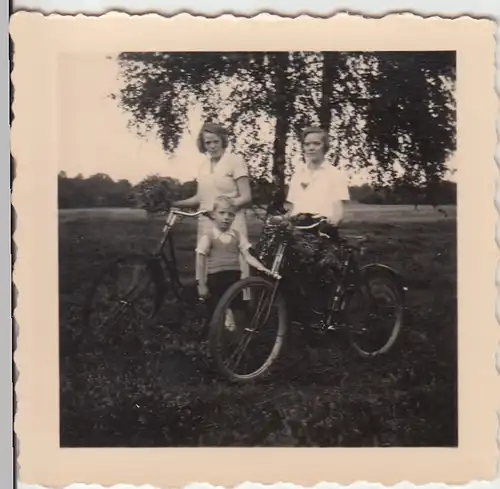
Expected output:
{"points": [[334, 327], [319, 326]]}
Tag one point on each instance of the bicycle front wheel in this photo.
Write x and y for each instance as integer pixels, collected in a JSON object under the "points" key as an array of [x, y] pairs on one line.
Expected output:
{"points": [[374, 313], [247, 329], [123, 299]]}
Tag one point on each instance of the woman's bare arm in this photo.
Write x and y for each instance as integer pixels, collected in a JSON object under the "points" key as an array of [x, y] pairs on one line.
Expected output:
{"points": [[244, 198], [338, 211], [288, 206]]}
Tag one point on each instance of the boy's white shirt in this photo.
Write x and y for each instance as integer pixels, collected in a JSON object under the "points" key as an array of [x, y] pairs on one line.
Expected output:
{"points": [[224, 236], [316, 191]]}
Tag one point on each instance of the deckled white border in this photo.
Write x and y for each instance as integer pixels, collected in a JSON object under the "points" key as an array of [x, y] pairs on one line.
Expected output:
{"points": [[251, 7], [283, 485], [360, 484]]}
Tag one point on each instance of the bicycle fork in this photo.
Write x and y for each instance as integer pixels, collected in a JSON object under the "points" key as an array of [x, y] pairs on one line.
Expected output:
{"points": [[275, 270], [335, 305]]}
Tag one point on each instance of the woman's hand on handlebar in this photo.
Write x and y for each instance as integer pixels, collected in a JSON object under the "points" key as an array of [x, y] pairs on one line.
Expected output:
{"points": [[277, 219]]}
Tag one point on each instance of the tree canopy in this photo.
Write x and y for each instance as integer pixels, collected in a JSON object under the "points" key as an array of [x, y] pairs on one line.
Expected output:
{"points": [[391, 114], [98, 190]]}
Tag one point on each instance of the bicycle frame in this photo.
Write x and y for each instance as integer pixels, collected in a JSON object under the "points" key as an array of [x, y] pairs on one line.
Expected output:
{"points": [[167, 257], [349, 271]]}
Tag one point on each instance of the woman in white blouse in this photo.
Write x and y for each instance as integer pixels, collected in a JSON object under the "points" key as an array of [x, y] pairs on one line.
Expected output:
{"points": [[220, 173], [316, 187]]}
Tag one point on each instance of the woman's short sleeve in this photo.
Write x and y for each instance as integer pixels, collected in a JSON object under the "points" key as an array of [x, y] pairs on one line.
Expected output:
{"points": [[339, 186], [293, 188], [200, 170], [239, 167]]}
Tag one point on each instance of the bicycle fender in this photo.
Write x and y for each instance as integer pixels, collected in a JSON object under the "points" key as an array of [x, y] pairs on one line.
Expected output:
{"points": [[398, 278]]}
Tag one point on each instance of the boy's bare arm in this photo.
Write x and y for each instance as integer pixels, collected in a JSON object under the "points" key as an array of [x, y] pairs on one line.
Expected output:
{"points": [[201, 275], [252, 261]]}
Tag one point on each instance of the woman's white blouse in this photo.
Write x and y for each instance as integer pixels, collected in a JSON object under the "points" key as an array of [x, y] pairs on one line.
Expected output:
{"points": [[220, 178], [318, 191]]}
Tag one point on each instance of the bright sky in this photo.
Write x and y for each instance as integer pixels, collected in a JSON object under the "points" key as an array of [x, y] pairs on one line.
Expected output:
{"points": [[93, 132]]}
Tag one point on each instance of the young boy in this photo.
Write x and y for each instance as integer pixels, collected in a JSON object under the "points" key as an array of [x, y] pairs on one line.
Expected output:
{"points": [[217, 254]]}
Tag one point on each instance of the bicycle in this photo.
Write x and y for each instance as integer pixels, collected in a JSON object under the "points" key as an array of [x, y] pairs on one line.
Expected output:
{"points": [[151, 276], [285, 297]]}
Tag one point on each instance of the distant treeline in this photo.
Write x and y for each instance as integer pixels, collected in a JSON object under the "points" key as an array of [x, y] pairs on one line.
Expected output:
{"points": [[100, 190], [441, 193]]}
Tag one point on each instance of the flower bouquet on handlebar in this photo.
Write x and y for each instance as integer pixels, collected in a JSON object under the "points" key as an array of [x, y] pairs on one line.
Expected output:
{"points": [[321, 284], [312, 262]]}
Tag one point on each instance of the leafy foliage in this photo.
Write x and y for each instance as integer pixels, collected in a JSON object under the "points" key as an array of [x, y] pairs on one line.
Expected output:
{"points": [[391, 114], [410, 117], [98, 190], [309, 255], [156, 193]]}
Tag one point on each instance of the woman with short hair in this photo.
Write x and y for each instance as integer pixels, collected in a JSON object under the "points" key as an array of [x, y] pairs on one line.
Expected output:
{"points": [[317, 188], [222, 173]]}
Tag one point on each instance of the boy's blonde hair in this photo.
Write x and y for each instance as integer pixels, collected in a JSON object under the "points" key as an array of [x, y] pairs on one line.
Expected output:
{"points": [[223, 200]]}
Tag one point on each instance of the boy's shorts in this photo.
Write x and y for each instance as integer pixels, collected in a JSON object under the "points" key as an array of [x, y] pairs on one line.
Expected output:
{"points": [[218, 283]]}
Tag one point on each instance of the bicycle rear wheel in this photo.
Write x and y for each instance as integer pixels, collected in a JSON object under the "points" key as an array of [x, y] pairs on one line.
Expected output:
{"points": [[124, 298], [257, 318], [374, 313]]}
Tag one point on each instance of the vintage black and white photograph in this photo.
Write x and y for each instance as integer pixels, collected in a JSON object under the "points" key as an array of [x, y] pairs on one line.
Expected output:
{"points": [[258, 249], [254, 249]]}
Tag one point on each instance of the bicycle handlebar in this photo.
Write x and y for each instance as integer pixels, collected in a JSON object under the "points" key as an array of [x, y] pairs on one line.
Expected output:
{"points": [[179, 212], [311, 226], [307, 227]]}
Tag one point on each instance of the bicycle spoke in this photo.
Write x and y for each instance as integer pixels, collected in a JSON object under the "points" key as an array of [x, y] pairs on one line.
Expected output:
{"points": [[376, 319], [248, 351], [119, 316], [127, 300], [254, 319], [240, 350], [257, 314], [123, 299]]}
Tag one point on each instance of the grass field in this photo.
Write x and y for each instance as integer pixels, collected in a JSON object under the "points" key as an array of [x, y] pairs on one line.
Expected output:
{"points": [[164, 392]]}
